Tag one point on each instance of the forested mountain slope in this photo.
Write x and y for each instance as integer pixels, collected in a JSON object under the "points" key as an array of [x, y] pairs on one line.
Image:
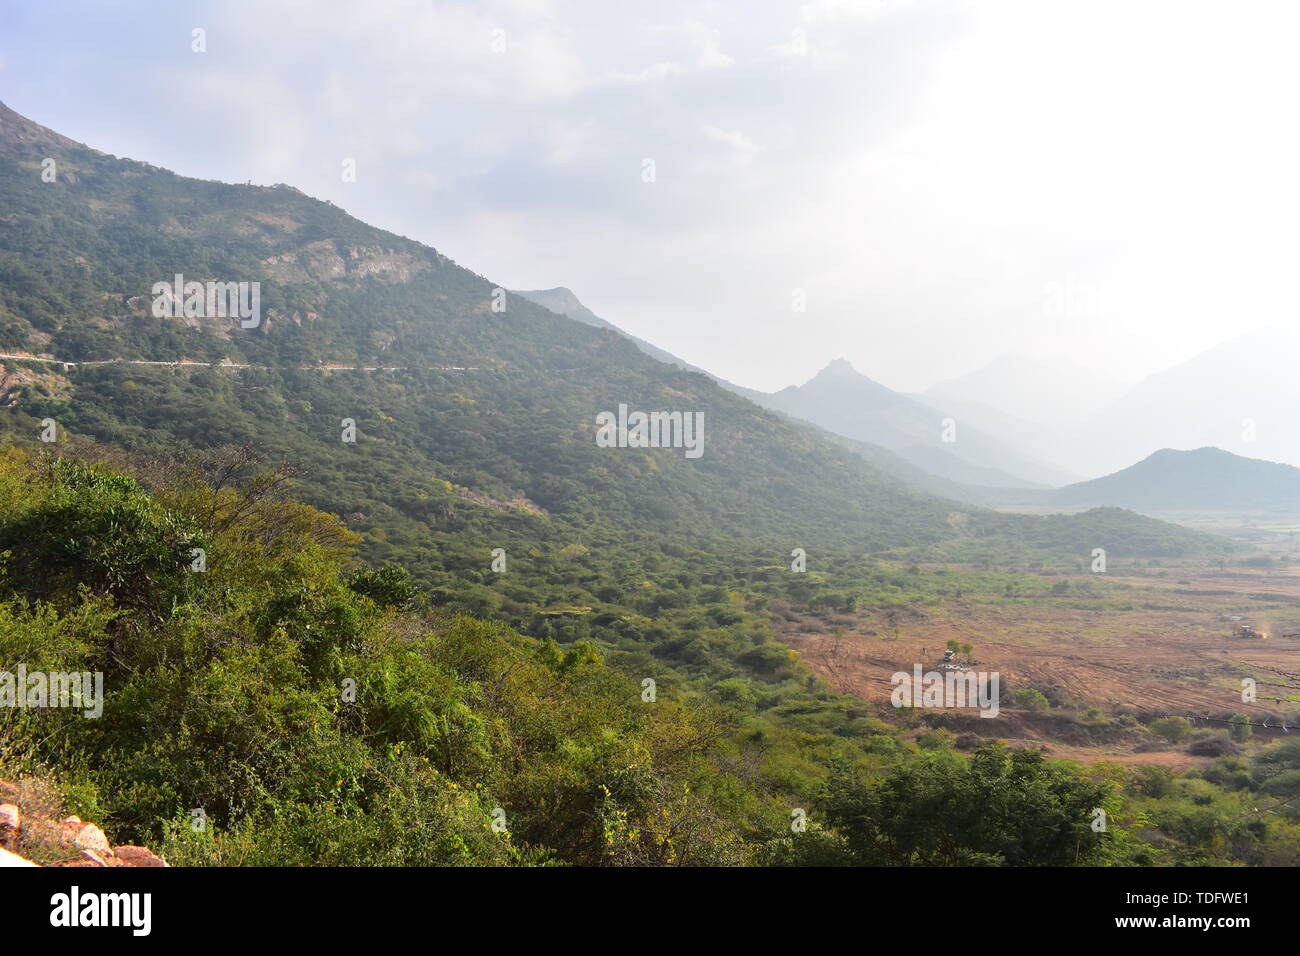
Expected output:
{"points": [[474, 428]]}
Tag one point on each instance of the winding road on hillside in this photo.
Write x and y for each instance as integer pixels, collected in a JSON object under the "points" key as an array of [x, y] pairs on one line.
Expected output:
{"points": [[278, 368]]}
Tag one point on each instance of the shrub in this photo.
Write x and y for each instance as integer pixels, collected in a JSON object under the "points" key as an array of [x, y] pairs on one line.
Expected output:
{"points": [[1029, 699], [1176, 730], [100, 531], [1239, 727], [1213, 745]]}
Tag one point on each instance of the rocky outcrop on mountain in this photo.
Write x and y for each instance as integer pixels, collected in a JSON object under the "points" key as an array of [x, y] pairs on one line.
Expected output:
{"points": [[15, 381], [331, 260]]}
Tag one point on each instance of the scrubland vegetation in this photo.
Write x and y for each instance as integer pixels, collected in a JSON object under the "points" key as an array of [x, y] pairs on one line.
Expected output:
{"points": [[320, 711]]}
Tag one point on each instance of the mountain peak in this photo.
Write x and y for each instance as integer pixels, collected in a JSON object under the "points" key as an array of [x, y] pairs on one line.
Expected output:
{"points": [[1205, 451], [559, 293], [839, 368], [561, 300]]}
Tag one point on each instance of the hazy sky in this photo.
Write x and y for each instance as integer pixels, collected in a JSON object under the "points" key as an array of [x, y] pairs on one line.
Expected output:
{"points": [[1115, 182]]}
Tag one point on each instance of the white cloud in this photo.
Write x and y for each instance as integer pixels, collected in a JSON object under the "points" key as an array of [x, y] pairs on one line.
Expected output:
{"points": [[743, 147], [704, 41], [832, 10], [653, 73]]}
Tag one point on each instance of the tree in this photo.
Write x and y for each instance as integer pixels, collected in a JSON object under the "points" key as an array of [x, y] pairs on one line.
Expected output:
{"points": [[102, 531], [1176, 730], [1031, 699], [997, 808], [389, 586], [1239, 727]]}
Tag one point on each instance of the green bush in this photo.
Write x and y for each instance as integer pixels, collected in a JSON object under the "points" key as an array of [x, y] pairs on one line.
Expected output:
{"points": [[102, 532], [1239, 727], [1176, 730], [1029, 699]]}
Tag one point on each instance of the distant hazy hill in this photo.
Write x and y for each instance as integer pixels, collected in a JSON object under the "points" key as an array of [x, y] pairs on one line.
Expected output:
{"points": [[845, 401], [1046, 392], [1242, 396], [1207, 479], [849, 405], [1038, 407]]}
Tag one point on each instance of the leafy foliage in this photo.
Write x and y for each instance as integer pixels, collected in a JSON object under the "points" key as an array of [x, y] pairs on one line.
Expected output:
{"points": [[318, 715]]}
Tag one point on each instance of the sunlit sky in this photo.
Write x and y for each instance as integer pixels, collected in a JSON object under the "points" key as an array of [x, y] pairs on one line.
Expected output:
{"points": [[1111, 182]]}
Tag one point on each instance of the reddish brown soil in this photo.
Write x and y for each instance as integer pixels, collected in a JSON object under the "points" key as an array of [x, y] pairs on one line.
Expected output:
{"points": [[1174, 657]]}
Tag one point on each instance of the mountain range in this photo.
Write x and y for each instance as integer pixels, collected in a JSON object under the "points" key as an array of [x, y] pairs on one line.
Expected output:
{"points": [[1098, 426], [474, 416], [847, 403], [1239, 396]]}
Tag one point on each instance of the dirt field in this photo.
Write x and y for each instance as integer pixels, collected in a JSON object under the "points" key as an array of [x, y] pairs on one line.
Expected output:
{"points": [[1168, 652]]}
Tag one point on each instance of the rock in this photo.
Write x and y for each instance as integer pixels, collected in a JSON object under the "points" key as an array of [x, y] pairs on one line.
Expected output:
{"points": [[90, 837], [86, 839], [9, 822], [138, 856]]}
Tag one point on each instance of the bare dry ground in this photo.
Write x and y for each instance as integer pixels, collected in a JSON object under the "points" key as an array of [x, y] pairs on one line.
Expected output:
{"points": [[1165, 647]]}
